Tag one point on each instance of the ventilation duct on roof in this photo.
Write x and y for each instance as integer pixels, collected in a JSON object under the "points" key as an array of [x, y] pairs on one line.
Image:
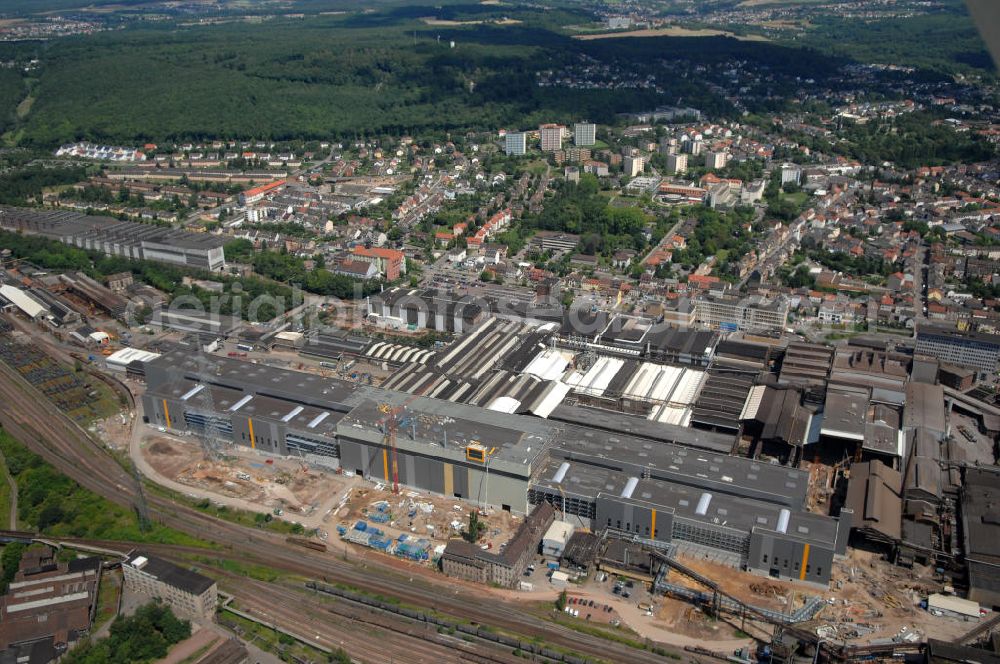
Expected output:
{"points": [[193, 391], [783, 517], [703, 503], [561, 473], [630, 486], [239, 404], [295, 411]]}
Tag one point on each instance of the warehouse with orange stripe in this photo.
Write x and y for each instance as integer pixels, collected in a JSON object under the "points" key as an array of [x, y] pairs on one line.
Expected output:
{"points": [[667, 486]]}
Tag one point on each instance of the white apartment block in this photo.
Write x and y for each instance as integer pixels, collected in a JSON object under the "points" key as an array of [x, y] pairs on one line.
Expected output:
{"points": [[516, 143], [676, 164], [188, 593], [584, 134]]}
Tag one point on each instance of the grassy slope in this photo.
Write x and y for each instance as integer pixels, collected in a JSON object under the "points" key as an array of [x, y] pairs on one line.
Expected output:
{"points": [[58, 506]]}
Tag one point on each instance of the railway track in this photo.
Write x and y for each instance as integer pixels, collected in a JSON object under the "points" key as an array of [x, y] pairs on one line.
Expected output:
{"points": [[47, 432], [364, 632], [338, 622], [980, 631]]}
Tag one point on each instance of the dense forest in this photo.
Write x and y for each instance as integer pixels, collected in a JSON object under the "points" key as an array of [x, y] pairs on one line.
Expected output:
{"points": [[21, 186], [381, 72], [387, 71], [11, 92], [944, 40], [284, 80]]}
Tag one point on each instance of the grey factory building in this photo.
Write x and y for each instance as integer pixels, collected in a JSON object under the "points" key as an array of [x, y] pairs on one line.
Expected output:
{"points": [[965, 349], [672, 495], [981, 528], [677, 487], [426, 308], [114, 237], [452, 449]]}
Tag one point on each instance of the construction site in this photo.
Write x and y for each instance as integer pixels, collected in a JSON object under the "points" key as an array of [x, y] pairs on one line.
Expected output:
{"points": [[870, 601], [315, 497], [876, 602], [275, 484]]}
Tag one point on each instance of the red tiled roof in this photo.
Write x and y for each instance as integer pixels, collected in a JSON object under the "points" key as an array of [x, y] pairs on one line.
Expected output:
{"points": [[378, 252]]}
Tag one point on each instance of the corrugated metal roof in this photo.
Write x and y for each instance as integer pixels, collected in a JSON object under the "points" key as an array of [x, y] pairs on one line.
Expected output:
{"points": [[752, 403], [22, 301]]}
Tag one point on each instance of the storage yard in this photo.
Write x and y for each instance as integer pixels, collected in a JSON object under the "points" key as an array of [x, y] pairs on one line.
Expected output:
{"points": [[80, 396]]}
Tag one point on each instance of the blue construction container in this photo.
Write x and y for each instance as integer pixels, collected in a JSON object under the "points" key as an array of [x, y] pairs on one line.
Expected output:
{"points": [[361, 525]]}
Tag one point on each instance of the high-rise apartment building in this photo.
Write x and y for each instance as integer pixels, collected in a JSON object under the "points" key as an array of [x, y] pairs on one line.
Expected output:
{"points": [[633, 165], [515, 143], [676, 163], [716, 159], [551, 136], [584, 134]]}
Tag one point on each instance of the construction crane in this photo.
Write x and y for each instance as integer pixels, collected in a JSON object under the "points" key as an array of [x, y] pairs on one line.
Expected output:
{"points": [[207, 435], [391, 424], [393, 420]]}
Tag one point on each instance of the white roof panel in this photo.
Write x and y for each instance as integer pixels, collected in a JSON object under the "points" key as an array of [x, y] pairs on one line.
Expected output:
{"points": [[22, 301], [239, 404]]}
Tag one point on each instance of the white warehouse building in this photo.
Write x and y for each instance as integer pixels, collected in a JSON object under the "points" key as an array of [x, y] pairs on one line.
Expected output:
{"points": [[556, 537]]}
